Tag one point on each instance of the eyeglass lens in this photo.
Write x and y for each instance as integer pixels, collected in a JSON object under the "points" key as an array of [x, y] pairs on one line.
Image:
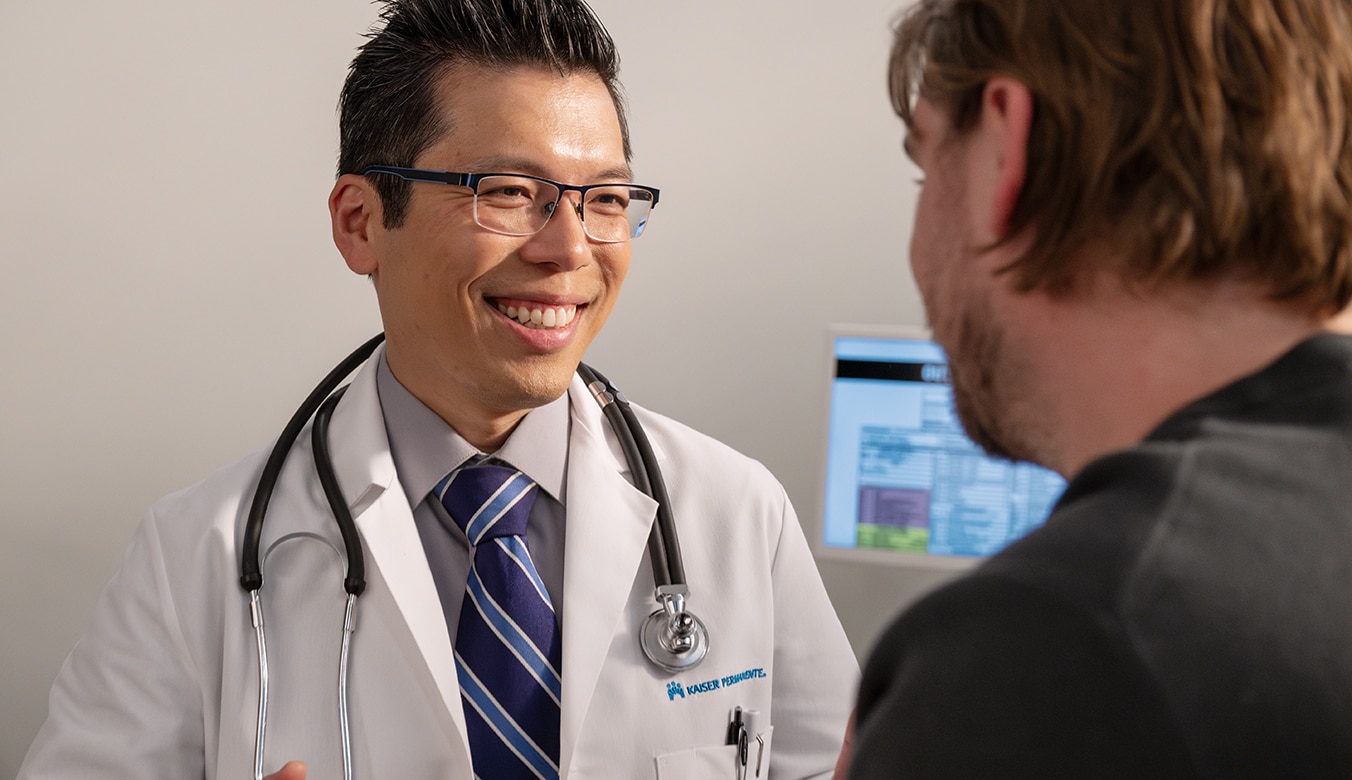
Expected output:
{"points": [[520, 206]]}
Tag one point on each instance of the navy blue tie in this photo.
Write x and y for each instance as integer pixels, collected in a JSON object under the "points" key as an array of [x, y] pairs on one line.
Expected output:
{"points": [[507, 644]]}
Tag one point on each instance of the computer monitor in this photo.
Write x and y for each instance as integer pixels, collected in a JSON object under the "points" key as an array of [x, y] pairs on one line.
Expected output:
{"points": [[903, 484]]}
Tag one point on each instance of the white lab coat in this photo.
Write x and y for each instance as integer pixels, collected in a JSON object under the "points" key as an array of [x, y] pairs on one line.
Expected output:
{"points": [[164, 682]]}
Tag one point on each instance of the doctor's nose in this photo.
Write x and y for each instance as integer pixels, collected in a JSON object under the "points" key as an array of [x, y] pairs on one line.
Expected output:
{"points": [[563, 240]]}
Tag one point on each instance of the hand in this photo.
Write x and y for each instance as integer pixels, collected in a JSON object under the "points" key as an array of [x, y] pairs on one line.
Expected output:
{"points": [[293, 770], [842, 762]]}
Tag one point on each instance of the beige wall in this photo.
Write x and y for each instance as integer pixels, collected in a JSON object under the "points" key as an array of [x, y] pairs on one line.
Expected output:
{"points": [[170, 290]]}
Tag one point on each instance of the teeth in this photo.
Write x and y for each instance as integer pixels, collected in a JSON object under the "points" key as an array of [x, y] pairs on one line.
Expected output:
{"points": [[543, 317]]}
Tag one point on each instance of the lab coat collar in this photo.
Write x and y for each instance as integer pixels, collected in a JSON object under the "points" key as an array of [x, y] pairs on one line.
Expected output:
{"points": [[608, 525], [360, 448], [394, 551]]}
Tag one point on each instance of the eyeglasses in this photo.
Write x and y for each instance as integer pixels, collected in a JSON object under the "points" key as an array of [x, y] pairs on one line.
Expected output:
{"points": [[515, 204]]}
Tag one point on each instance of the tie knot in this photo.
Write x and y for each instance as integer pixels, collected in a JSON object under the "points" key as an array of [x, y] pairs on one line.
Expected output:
{"points": [[487, 501]]}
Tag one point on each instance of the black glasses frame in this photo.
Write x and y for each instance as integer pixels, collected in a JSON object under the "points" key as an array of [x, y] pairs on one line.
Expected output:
{"points": [[471, 180]]}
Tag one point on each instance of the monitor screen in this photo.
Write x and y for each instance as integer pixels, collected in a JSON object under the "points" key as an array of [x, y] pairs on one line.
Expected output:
{"points": [[903, 483]]}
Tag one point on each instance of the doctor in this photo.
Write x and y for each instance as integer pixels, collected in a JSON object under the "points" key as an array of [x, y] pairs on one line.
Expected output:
{"points": [[486, 322]]}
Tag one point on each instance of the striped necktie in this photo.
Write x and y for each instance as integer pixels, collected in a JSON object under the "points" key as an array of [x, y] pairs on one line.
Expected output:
{"points": [[508, 643]]}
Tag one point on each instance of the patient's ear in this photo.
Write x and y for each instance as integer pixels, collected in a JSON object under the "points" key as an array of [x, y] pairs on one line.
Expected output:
{"points": [[1002, 130], [354, 210]]}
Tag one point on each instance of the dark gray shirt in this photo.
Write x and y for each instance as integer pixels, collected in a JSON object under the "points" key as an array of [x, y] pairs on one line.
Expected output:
{"points": [[425, 449], [1185, 611]]}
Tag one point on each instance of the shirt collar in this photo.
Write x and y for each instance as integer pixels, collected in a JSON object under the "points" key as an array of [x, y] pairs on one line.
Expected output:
{"points": [[425, 448]]}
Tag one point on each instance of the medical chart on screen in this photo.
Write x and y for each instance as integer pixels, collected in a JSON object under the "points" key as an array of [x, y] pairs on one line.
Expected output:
{"points": [[901, 473]]}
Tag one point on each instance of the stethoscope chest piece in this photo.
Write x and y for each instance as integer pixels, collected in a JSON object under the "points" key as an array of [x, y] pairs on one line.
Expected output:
{"points": [[673, 638]]}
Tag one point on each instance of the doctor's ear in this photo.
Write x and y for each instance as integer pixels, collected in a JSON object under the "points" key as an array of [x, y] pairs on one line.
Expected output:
{"points": [[355, 211]]}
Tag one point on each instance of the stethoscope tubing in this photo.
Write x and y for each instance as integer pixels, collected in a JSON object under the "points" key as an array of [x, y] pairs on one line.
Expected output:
{"points": [[355, 582], [256, 611], [319, 405], [664, 549], [251, 570], [349, 625]]}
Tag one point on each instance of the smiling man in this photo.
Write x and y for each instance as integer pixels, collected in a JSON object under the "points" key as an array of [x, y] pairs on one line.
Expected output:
{"points": [[499, 331], [484, 187]]}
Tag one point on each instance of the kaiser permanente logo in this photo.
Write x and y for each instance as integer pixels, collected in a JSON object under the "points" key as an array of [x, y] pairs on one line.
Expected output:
{"points": [[675, 689]]}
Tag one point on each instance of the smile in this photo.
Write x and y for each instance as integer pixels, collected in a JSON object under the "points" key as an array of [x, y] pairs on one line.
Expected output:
{"points": [[539, 316]]}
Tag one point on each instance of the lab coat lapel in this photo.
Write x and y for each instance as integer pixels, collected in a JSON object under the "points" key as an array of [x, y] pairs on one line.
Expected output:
{"points": [[365, 470], [608, 526]]}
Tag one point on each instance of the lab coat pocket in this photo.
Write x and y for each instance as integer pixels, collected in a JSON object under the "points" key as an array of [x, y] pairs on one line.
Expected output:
{"points": [[711, 763], [698, 763]]}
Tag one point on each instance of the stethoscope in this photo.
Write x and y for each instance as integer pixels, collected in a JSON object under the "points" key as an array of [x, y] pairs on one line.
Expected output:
{"points": [[672, 637]]}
